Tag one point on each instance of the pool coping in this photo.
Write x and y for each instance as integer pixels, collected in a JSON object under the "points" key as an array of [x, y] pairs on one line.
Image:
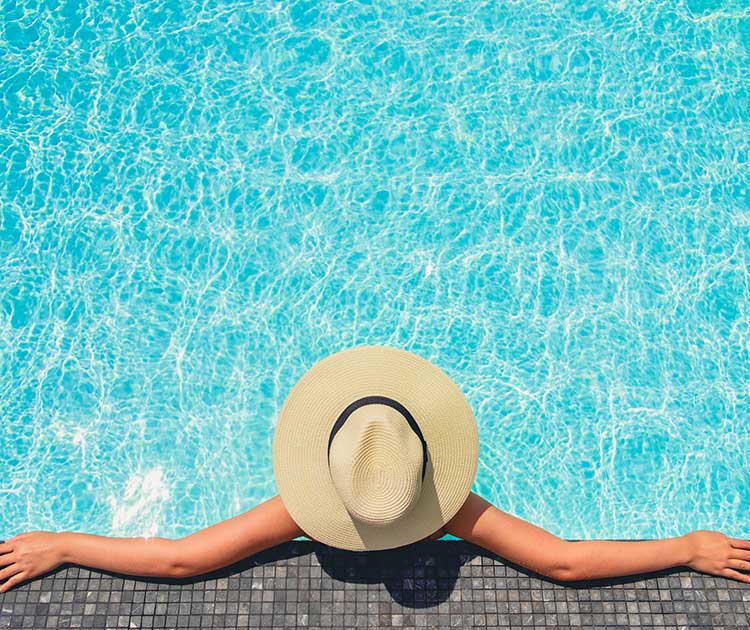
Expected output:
{"points": [[439, 583]]}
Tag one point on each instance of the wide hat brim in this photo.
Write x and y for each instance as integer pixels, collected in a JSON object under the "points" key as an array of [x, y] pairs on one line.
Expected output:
{"points": [[300, 445]]}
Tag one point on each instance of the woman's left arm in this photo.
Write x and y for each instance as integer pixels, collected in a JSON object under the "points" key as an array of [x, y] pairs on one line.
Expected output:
{"points": [[266, 525], [33, 553], [530, 546]]}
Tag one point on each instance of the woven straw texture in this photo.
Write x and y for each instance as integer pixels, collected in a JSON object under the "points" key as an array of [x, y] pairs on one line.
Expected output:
{"points": [[309, 412]]}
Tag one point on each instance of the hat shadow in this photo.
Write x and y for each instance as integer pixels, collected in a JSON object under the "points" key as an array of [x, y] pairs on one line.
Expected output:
{"points": [[419, 575]]}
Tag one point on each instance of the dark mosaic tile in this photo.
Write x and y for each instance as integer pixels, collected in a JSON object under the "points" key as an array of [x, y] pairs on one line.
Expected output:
{"points": [[428, 585]]}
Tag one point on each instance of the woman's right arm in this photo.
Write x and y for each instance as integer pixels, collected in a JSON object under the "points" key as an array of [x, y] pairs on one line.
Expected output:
{"points": [[31, 554], [519, 541]]}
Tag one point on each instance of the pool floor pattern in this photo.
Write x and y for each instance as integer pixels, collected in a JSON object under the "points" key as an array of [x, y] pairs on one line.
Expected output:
{"points": [[443, 584]]}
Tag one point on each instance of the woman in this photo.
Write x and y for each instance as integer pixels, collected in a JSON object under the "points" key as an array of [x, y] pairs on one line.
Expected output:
{"points": [[375, 448]]}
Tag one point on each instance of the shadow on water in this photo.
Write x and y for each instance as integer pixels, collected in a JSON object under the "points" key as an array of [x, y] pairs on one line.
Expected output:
{"points": [[419, 575]]}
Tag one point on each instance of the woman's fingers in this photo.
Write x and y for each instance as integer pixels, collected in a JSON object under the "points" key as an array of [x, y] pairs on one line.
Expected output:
{"points": [[740, 543], [744, 565], [19, 577], [735, 575], [736, 553], [8, 571]]}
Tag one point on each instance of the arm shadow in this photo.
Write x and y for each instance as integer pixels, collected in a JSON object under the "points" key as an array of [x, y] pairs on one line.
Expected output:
{"points": [[424, 574]]}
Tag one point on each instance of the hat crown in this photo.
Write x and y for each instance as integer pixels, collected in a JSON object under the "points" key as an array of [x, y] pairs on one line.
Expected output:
{"points": [[376, 465]]}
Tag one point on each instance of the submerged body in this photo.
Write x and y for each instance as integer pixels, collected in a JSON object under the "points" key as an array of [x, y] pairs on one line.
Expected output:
{"points": [[31, 554]]}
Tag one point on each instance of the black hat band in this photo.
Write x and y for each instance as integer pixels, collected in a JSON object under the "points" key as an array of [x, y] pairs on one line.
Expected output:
{"points": [[379, 400]]}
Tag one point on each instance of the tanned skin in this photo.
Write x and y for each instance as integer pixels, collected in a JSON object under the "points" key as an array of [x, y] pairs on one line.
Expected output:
{"points": [[268, 524]]}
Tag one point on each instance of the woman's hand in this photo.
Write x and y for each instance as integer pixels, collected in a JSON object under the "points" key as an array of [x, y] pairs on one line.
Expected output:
{"points": [[718, 554], [26, 556]]}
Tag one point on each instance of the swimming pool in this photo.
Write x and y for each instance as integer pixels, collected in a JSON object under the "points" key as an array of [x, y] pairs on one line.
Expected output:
{"points": [[551, 201]]}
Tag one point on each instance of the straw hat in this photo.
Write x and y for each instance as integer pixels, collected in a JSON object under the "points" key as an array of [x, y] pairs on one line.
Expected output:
{"points": [[375, 448]]}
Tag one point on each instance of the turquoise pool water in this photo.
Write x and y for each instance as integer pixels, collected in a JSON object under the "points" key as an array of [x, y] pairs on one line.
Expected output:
{"points": [[551, 201]]}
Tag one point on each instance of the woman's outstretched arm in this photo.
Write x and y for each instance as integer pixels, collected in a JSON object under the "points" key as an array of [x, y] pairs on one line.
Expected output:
{"points": [[33, 553], [480, 522], [514, 539], [266, 525]]}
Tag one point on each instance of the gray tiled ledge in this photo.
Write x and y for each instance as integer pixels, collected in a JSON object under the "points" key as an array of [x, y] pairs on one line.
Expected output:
{"points": [[445, 584]]}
